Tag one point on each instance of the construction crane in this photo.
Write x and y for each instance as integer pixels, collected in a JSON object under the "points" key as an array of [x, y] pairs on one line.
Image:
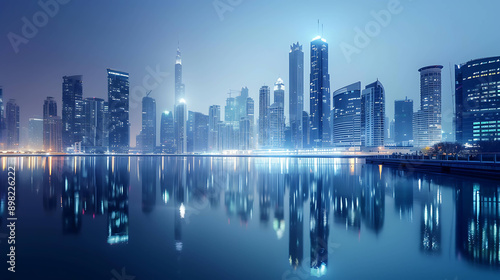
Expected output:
{"points": [[149, 92]]}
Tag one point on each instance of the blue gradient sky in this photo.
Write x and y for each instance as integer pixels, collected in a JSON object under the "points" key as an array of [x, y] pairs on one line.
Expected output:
{"points": [[248, 47]]}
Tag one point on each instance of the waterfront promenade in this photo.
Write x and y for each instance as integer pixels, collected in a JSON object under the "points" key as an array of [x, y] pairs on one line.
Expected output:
{"points": [[480, 165]]}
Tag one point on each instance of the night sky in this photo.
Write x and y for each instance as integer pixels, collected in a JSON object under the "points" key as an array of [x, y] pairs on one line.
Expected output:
{"points": [[247, 45]]}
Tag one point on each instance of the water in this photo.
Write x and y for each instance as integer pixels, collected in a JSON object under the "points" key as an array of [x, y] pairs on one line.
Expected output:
{"points": [[241, 218]]}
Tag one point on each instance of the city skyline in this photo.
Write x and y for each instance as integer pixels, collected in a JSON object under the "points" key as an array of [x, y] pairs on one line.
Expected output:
{"points": [[233, 76]]}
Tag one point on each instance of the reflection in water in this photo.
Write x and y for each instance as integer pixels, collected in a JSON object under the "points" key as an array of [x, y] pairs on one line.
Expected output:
{"points": [[148, 171], [320, 208], [290, 195], [71, 196], [296, 198], [478, 224], [119, 178], [430, 226], [373, 198]]}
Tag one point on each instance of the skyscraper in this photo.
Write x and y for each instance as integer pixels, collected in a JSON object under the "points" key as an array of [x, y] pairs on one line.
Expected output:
{"points": [[52, 126], [241, 103], [199, 133], [148, 132], [277, 116], [430, 130], [296, 94], [403, 118], [180, 119], [250, 116], [264, 104], [231, 112], [2, 120], [373, 115], [12, 117], [276, 125], [93, 125], [118, 102], [477, 100], [167, 133], [279, 92], [347, 116], [244, 137], [213, 124], [320, 94], [306, 130], [179, 86], [35, 134], [180, 109], [72, 96]]}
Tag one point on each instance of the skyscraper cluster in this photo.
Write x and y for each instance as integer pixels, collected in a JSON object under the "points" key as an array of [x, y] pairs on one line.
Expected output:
{"points": [[349, 117]]}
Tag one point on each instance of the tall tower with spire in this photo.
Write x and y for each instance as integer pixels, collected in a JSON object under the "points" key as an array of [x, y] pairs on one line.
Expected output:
{"points": [[180, 109], [179, 86]]}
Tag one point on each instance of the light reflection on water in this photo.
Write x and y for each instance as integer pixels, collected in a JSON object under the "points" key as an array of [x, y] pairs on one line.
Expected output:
{"points": [[268, 218]]}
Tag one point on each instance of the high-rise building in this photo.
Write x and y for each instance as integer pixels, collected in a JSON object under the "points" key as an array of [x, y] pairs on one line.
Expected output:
{"points": [[373, 115], [148, 132], [403, 122], [264, 104], [250, 115], [279, 92], [180, 122], [477, 100], [190, 131], [241, 104], [35, 134], [430, 130], [306, 130], [197, 132], [199, 136], [12, 118], [167, 133], [118, 107], [231, 110], [347, 116], [320, 94], [213, 124], [296, 94], [93, 125], [52, 127], [179, 86], [2, 120], [245, 132], [72, 98], [226, 137], [276, 125], [105, 142]]}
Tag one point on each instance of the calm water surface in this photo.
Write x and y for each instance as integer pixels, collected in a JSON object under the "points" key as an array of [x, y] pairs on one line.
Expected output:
{"points": [[240, 218]]}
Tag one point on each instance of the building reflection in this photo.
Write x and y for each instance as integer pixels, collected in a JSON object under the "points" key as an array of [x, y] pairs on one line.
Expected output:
{"points": [[51, 182], [119, 182], [95, 181], [279, 190], [403, 188], [72, 209], [148, 175], [265, 188], [429, 195], [179, 182], [296, 207], [478, 224], [373, 198], [320, 196], [347, 199]]}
